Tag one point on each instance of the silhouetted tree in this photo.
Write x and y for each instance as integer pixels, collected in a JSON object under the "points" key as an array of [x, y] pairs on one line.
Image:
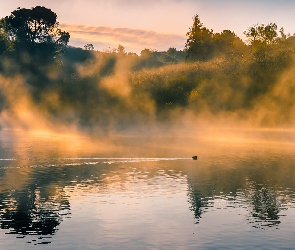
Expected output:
{"points": [[132, 54], [36, 29], [199, 43], [121, 49], [146, 52], [89, 46]]}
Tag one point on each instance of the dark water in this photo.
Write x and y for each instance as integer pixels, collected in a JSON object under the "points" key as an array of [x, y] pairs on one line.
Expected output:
{"points": [[144, 193]]}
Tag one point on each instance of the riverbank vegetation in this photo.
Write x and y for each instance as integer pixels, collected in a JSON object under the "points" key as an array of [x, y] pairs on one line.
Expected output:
{"points": [[45, 82]]}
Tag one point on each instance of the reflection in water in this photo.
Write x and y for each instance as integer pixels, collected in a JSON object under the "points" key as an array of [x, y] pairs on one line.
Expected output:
{"points": [[264, 191], [262, 204], [129, 202], [198, 203], [28, 213], [265, 208], [36, 207]]}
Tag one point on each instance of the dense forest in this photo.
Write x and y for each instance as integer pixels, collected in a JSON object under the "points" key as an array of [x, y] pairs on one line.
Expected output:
{"points": [[217, 76]]}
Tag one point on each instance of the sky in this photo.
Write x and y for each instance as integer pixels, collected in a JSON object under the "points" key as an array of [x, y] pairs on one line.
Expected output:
{"points": [[155, 24]]}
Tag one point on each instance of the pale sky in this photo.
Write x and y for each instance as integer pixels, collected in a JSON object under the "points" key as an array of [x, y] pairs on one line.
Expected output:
{"points": [[155, 24]]}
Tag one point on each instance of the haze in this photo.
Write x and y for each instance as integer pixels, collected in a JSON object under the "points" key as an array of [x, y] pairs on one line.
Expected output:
{"points": [[167, 21]]}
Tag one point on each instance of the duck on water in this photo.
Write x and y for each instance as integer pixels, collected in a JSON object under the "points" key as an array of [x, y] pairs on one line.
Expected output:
{"points": [[195, 157]]}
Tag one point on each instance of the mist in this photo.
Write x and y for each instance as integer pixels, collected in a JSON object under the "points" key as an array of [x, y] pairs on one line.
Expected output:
{"points": [[89, 93], [218, 87]]}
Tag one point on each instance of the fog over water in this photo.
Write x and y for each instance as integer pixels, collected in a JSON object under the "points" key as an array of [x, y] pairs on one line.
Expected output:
{"points": [[126, 191], [119, 101], [96, 147]]}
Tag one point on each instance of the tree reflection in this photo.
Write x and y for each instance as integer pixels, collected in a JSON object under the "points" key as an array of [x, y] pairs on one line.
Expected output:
{"points": [[265, 207], [199, 202], [33, 200], [264, 204], [31, 213], [208, 191], [196, 202]]}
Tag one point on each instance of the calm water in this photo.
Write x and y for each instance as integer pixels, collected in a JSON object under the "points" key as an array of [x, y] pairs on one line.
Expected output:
{"points": [[59, 192]]}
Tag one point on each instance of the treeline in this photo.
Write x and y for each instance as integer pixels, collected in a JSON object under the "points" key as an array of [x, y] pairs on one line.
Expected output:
{"points": [[216, 73], [224, 74]]}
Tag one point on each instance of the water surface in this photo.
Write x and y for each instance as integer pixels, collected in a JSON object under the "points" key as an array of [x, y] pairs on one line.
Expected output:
{"points": [[141, 192]]}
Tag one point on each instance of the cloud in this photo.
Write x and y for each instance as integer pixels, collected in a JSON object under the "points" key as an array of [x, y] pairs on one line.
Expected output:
{"points": [[132, 39]]}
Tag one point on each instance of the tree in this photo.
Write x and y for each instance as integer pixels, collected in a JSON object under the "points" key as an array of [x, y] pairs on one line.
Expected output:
{"points": [[268, 49], [5, 43], [132, 54], [227, 43], [262, 34], [261, 38], [171, 51], [121, 49], [36, 29], [270, 56], [146, 52], [199, 43], [89, 46]]}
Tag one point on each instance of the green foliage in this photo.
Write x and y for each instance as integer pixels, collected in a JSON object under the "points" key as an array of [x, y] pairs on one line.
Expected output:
{"points": [[199, 44], [202, 44], [5, 43], [76, 55], [269, 51], [228, 44], [108, 65], [217, 73], [270, 55], [35, 30], [172, 87], [262, 34], [155, 59]]}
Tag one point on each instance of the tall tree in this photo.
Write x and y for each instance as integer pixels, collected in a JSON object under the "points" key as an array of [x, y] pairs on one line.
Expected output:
{"points": [[36, 29], [199, 44]]}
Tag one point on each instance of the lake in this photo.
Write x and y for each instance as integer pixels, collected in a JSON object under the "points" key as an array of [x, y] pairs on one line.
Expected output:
{"points": [[145, 192]]}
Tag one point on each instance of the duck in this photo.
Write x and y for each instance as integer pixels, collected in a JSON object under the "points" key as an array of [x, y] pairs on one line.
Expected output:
{"points": [[195, 157]]}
